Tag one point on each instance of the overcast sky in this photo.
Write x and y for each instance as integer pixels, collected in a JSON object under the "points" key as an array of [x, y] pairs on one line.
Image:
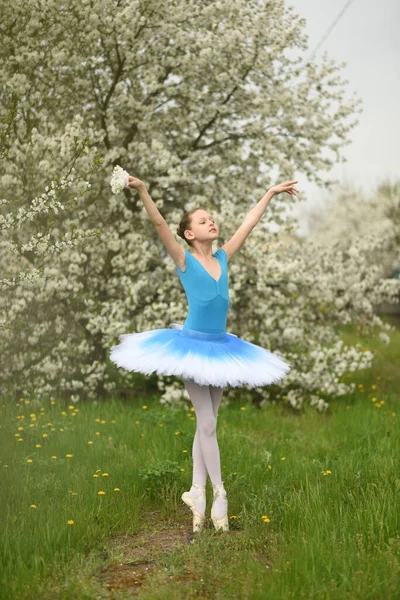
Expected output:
{"points": [[367, 38]]}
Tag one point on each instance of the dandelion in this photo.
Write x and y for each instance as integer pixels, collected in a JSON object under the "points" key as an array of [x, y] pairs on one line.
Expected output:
{"points": [[71, 407], [119, 179], [97, 420], [184, 451], [242, 408], [137, 422], [68, 455], [44, 435], [102, 422], [182, 470], [64, 414], [283, 458], [105, 475], [54, 457], [70, 522], [52, 402], [233, 517], [113, 421], [373, 399], [90, 442], [32, 506], [38, 446], [144, 406], [29, 460], [101, 493], [95, 475], [17, 434], [98, 470], [20, 439], [116, 489], [20, 428], [177, 432], [192, 418], [161, 425], [61, 429], [97, 432], [373, 387], [269, 467], [266, 519], [192, 409]]}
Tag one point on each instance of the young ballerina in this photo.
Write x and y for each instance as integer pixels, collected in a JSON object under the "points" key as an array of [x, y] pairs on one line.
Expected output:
{"points": [[200, 350]]}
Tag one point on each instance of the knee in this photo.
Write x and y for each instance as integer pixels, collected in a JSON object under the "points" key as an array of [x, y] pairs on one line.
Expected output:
{"points": [[208, 426]]}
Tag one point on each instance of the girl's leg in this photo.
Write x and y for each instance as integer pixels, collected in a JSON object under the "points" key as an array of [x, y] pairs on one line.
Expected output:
{"points": [[199, 466], [200, 397], [206, 456]]}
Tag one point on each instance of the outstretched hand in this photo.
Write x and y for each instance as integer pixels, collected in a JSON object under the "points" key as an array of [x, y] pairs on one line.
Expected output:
{"points": [[134, 183], [286, 186]]}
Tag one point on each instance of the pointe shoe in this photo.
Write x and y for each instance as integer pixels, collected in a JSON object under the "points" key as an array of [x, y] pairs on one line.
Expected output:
{"points": [[220, 522], [198, 517]]}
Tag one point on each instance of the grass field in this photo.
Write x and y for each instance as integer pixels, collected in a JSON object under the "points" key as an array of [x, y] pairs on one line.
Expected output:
{"points": [[91, 507]]}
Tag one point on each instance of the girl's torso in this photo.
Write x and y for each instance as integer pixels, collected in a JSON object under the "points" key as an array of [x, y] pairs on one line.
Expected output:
{"points": [[208, 298]]}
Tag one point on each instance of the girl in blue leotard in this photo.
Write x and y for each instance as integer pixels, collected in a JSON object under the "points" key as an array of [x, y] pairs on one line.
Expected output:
{"points": [[200, 350]]}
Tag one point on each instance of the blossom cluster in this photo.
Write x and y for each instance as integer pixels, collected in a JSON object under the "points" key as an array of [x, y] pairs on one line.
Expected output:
{"points": [[119, 179]]}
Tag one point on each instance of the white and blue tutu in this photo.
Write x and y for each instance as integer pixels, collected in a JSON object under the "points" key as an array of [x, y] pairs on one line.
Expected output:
{"points": [[218, 359]]}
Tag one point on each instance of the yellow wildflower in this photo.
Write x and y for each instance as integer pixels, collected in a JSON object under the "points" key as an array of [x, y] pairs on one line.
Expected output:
{"points": [[29, 460], [101, 493], [116, 489], [89, 442], [68, 455], [95, 475], [44, 435], [144, 406], [32, 506], [70, 522], [104, 475], [242, 408], [54, 457]]}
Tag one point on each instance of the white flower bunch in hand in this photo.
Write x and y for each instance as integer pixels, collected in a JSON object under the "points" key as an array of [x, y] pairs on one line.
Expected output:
{"points": [[119, 179]]}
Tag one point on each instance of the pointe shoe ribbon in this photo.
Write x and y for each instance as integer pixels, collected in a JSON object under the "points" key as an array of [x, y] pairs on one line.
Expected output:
{"points": [[198, 517], [220, 522]]}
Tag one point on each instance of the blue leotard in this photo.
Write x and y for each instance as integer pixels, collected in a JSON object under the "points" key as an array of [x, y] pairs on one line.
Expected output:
{"points": [[208, 299]]}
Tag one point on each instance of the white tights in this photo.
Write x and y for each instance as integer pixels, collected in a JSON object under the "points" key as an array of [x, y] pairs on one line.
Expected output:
{"points": [[205, 451]]}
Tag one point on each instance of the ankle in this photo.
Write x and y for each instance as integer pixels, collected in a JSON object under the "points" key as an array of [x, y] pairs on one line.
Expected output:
{"points": [[219, 490]]}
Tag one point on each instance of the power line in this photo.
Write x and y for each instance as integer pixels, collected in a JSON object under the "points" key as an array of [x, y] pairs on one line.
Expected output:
{"points": [[329, 30]]}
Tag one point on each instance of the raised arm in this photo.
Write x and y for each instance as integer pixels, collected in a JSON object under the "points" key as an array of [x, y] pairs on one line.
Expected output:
{"points": [[173, 248], [253, 217]]}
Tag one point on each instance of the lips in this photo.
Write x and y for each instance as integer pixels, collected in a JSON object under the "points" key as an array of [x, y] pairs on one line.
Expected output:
{"points": [[213, 230]]}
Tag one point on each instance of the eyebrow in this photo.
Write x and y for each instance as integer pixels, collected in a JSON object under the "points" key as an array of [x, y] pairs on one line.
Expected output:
{"points": [[206, 217]]}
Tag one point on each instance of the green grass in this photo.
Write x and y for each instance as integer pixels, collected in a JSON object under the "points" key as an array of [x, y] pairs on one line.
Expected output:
{"points": [[333, 536]]}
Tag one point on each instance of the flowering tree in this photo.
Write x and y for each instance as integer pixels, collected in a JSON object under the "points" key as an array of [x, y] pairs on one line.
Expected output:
{"points": [[202, 101]]}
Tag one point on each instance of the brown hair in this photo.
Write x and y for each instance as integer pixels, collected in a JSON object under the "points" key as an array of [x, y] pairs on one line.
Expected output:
{"points": [[184, 224]]}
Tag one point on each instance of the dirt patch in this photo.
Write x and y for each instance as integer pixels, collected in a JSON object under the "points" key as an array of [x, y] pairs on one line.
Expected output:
{"points": [[139, 553]]}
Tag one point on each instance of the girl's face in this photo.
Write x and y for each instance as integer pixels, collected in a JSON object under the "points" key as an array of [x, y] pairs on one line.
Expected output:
{"points": [[203, 226]]}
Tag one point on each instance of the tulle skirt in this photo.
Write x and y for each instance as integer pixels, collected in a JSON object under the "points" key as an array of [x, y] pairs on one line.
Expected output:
{"points": [[218, 359]]}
